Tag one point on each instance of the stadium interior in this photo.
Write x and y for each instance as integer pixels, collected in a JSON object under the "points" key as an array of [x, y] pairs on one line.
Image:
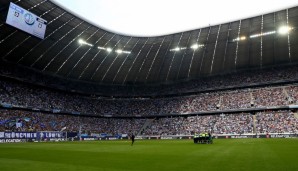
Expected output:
{"points": [[237, 78]]}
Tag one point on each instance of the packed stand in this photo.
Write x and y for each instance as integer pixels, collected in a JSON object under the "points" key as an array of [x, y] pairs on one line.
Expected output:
{"points": [[273, 122], [217, 124], [238, 99], [243, 123], [18, 120], [276, 122], [292, 92], [42, 98], [269, 97]]}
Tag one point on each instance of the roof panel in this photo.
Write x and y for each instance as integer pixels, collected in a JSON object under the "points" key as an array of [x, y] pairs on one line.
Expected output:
{"points": [[151, 60]]}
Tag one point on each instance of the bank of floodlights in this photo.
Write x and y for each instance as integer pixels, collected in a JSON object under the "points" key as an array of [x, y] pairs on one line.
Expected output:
{"points": [[108, 49]]}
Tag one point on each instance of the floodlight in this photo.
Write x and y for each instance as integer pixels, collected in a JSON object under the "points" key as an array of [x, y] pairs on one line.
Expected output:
{"points": [[109, 49], [195, 46], [236, 39], [284, 29], [119, 51], [127, 52], [239, 38], [262, 34], [177, 49], [81, 41]]}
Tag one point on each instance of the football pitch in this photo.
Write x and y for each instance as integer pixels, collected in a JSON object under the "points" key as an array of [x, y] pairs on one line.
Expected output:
{"points": [[153, 155]]}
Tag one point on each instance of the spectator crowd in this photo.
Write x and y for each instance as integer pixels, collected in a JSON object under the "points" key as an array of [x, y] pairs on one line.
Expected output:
{"points": [[210, 95], [42, 98], [241, 123]]}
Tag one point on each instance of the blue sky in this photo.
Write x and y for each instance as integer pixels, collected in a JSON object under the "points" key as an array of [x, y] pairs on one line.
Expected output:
{"points": [[161, 17]]}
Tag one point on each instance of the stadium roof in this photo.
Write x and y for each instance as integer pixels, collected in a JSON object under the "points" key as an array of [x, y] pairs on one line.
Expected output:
{"points": [[157, 18], [75, 49]]}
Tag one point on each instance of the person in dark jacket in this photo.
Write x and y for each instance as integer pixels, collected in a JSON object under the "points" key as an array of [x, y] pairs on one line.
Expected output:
{"points": [[132, 139]]}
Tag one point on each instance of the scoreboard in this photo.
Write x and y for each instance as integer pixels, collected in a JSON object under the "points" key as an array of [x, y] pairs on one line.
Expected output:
{"points": [[26, 21]]}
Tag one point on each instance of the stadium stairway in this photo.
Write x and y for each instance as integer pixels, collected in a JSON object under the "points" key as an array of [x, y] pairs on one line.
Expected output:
{"points": [[254, 124], [287, 95], [296, 115], [219, 103], [145, 126], [251, 98]]}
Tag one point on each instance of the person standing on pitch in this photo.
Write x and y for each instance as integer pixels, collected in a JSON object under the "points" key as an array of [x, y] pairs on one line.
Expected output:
{"points": [[132, 138]]}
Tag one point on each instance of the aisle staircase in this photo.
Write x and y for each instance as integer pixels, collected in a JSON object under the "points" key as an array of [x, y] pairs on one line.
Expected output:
{"points": [[287, 95], [218, 106], [254, 123], [296, 115], [145, 126], [252, 103]]}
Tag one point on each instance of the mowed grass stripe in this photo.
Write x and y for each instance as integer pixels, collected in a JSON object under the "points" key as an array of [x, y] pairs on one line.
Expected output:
{"points": [[226, 154]]}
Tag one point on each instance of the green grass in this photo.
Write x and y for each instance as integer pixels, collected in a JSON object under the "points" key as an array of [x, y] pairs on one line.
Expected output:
{"points": [[153, 155]]}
